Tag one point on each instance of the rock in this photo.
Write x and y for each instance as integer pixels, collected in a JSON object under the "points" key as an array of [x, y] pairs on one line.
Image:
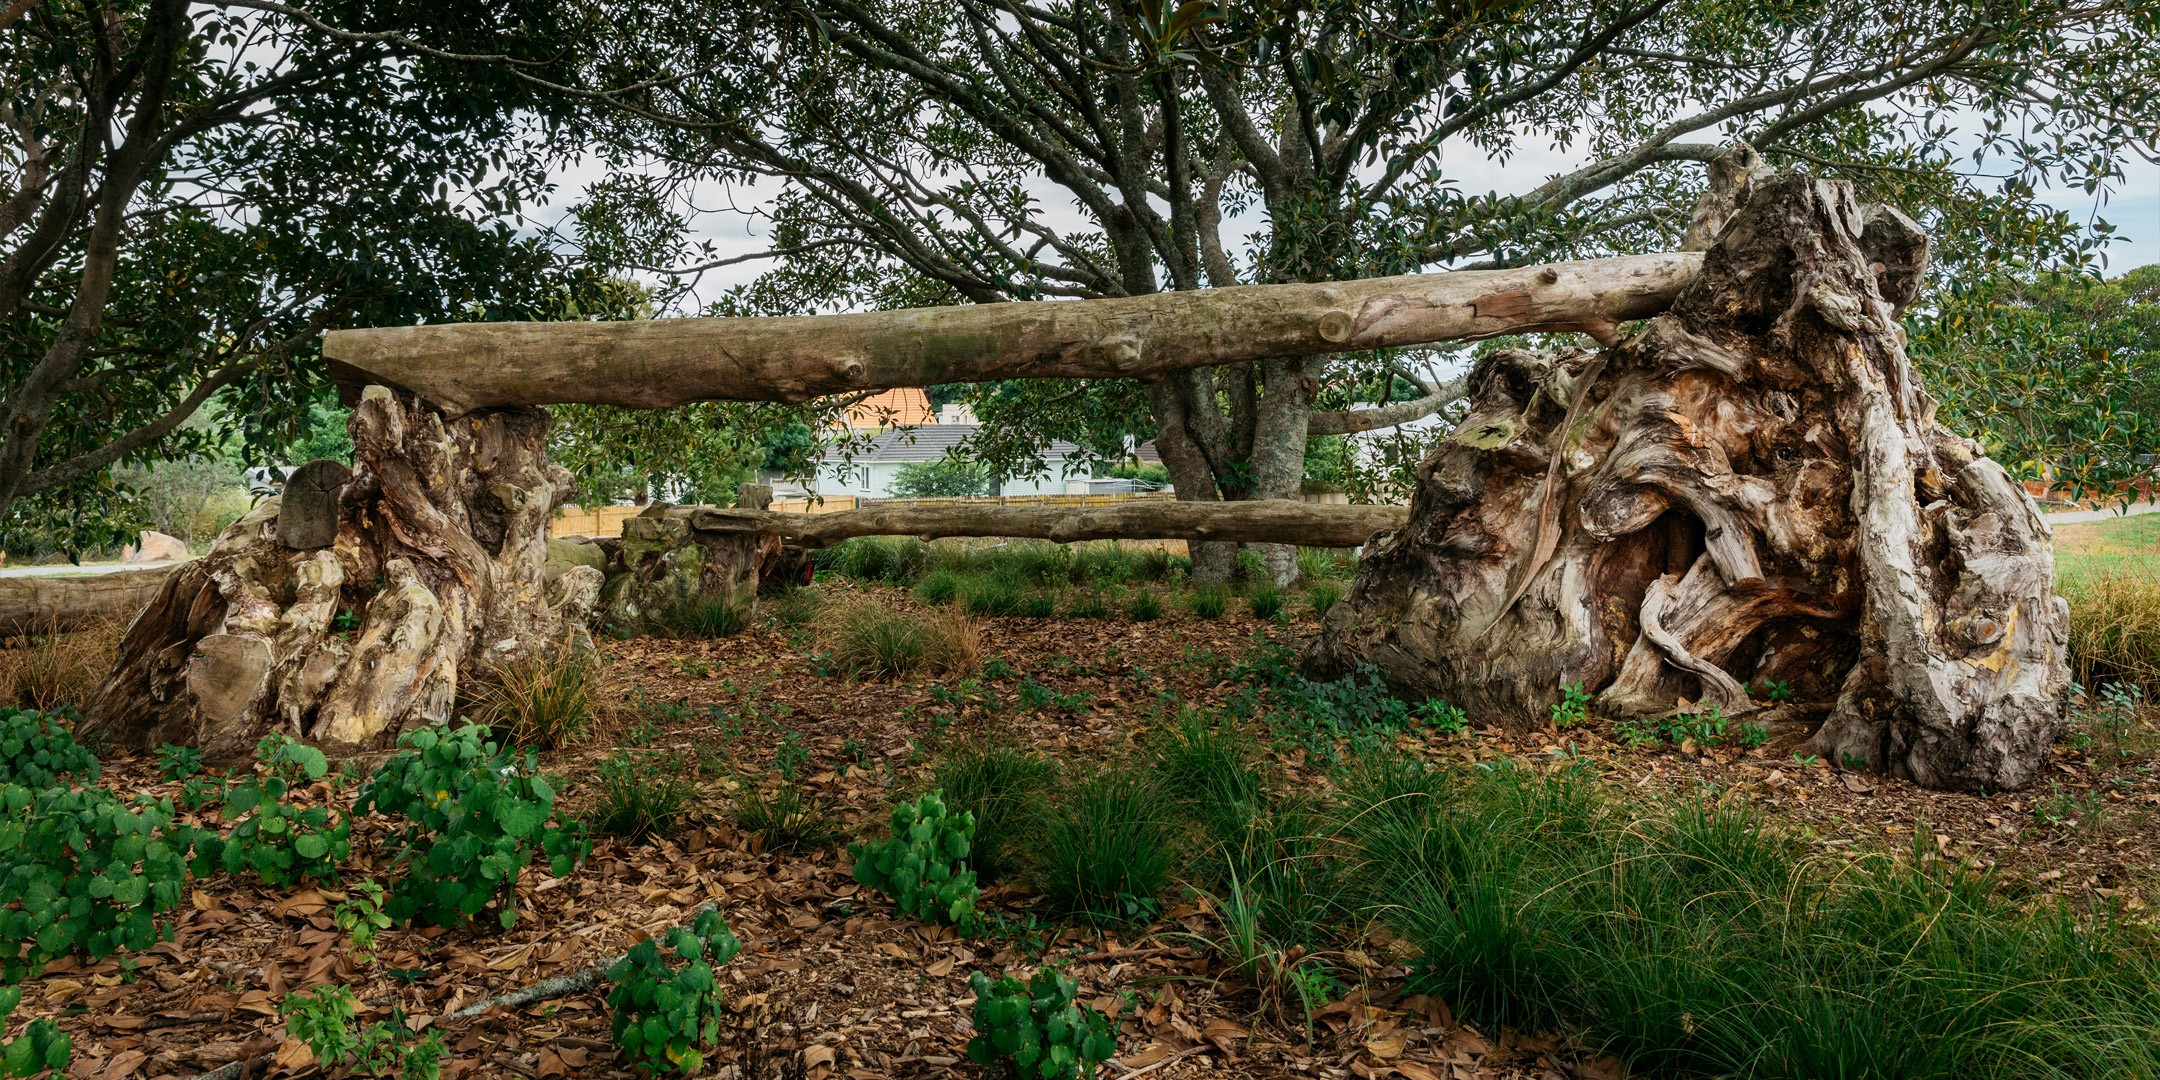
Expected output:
{"points": [[564, 552], [155, 547], [308, 516]]}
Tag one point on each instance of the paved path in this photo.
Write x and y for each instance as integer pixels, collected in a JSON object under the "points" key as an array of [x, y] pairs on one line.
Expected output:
{"points": [[2072, 517]]}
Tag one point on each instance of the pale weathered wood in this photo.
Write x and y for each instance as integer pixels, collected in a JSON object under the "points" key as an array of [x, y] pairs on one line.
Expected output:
{"points": [[1278, 521], [654, 363], [1752, 490], [437, 572], [49, 603]]}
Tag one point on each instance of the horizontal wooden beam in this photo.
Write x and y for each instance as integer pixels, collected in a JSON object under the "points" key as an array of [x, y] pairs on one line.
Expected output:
{"points": [[1269, 521], [655, 363]]}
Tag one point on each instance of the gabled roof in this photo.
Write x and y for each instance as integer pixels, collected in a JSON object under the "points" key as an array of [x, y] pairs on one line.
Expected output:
{"points": [[907, 405]]}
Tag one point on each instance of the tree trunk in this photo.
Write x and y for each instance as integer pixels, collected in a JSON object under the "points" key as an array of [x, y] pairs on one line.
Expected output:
{"points": [[436, 573], [58, 602], [1752, 490], [1248, 521], [655, 363]]}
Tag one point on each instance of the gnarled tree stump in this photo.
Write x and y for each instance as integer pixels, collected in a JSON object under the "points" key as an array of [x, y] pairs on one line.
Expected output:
{"points": [[1752, 489], [436, 573]]}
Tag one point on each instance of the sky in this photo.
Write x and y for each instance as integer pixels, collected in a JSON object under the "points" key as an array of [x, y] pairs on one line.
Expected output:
{"points": [[2133, 208]]}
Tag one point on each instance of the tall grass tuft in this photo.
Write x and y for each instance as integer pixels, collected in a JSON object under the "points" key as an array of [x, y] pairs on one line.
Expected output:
{"points": [[1208, 601], [48, 670], [867, 639], [642, 796], [1265, 601], [1211, 770], [1323, 596], [1691, 940], [1007, 789], [2114, 628], [1087, 604], [545, 701], [1143, 606], [1107, 848], [705, 616], [938, 587], [1000, 592]]}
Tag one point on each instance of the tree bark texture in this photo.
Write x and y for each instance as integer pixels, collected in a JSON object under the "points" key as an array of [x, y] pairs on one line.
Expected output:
{"points": [[1276, 521], [655, 363], [438, 572], [1752, 489], [60, 602]]}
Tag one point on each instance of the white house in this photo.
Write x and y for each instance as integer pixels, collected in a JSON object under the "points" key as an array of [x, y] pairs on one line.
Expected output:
{"points": [[870, 472]]}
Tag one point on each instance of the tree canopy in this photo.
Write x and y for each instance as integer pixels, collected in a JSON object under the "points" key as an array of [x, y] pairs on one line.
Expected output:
{"points": [[190, 193]]}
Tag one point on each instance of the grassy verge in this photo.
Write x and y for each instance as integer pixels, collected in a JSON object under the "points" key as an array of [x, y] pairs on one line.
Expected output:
{"points": [[2109, 571]]}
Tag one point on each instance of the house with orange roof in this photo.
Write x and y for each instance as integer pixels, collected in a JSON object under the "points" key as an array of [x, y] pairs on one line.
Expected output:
{"points": [[905, 406]]}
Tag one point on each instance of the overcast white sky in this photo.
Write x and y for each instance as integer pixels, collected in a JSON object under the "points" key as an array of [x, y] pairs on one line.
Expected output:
{"points": [[2134, 209]]}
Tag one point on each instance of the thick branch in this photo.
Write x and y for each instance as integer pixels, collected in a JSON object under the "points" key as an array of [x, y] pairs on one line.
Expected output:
{"points": [[661, 362], [1270, 521]]}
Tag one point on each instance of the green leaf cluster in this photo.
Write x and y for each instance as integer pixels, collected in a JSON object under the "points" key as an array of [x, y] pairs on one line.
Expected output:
{"points": [[282, 843], [37, 749], [1036, 1028], [923, 866], [322, 1018], [40, 1047], [666, 1000], [82, 873], [475, 814]]}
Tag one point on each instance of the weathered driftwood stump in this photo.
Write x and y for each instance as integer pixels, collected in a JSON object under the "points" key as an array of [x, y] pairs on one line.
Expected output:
{"points": [[668, 575], [1751, 490], [433, 570]]}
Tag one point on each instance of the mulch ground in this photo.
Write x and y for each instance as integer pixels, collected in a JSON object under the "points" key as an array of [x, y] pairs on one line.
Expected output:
{"points": [[829, 984]]}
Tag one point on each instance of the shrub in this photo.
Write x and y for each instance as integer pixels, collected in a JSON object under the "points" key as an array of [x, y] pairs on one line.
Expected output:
{"points": [[37, 750], [666, 1004], [938, 587], [1322, 596], [1573, 708], [704, 615], [282, 843], [1208, 601], [41, 1046], [541, 700], [2114, 628], [641, 795], [1108, 849], [1265, 601], [1035, 1029], [944, 478], [177, 762], [475, 816], [867, 639], [83, 874], [923, 865], [1143, 606], [1002, 787], [50, 670]]}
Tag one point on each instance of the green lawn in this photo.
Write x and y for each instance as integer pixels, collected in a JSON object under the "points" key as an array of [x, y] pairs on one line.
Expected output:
{"points": [[2127, 545]]}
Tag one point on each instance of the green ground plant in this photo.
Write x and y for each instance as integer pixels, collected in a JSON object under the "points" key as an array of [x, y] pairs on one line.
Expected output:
{"points": [[666, 999], [923, 864], [177, 763], [1208, 601], [322, 1017], [473, 817], [281, 842], [360, 917], [1143, 606], [1265, 601], [83, 874], [1322, 597], [38, 749], [40, 1046], [705, 616], [1035, 1029]]}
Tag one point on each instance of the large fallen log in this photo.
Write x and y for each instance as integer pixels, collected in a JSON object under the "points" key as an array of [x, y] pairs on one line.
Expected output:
{"points": [[46, 603], [1749, 497], [1264, 521], [655, 363]]}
